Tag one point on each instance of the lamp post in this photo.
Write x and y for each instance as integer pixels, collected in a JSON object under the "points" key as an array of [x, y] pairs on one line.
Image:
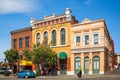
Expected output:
{"points": [[5, 65]]}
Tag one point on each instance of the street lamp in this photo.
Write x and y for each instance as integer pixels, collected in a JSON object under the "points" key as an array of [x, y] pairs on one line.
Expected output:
{"points": [[5, 65]]}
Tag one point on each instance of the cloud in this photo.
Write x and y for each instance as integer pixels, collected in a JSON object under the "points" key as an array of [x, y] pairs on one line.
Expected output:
{"points": [[88, 2], [17, 6]]}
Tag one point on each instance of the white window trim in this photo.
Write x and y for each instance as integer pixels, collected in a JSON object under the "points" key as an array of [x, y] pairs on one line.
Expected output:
{"points": [[75, 40], [66, 32], [36, 36], [93, 38], [84, 39]]}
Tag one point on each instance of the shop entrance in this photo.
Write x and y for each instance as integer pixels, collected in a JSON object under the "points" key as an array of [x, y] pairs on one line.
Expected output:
{"points": [[63, 62], [86, 65], [96, 65]]}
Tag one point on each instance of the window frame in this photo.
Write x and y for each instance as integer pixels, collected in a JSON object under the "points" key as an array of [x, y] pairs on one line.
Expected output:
{"points": [[15, 43], [63, 36], [54, 37], [86, 39], [27, 41], [20, 42]]}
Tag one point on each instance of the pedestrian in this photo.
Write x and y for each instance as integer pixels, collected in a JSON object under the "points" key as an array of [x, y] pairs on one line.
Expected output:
{"points": [[80, 72]]}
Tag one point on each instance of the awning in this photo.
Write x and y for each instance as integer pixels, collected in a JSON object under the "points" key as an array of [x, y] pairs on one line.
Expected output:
{"points": [[25, 63], [62, 55]]}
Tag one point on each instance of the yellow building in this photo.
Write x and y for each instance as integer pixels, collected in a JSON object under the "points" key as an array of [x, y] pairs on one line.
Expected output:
{"points": [[56, 29]]}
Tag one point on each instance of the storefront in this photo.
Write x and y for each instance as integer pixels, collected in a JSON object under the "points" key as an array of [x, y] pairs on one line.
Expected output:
{"points": [[25, 65]]}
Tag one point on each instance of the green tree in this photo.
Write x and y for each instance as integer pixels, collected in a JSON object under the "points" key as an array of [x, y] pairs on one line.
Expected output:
{"points": [[28, 55], [12, 57], [42, 53]]}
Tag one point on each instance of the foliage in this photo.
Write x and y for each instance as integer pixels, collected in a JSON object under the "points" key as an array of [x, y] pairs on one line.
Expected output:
{"points": [[28, 55], [42, 53], [12, 55]]}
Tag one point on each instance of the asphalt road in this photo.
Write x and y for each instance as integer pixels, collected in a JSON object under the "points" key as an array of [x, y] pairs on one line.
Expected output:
{"points": [[114, 75]]}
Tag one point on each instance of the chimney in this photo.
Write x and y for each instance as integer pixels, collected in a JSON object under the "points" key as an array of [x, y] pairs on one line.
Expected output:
{"points": [[68, 13], [32, 20]]}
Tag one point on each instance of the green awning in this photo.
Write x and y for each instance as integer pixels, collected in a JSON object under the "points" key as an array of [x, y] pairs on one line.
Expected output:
{"points": [[62, 55]]}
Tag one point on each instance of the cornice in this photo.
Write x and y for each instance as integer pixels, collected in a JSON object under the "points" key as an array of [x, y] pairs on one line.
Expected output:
{"points": [[93, 49]]}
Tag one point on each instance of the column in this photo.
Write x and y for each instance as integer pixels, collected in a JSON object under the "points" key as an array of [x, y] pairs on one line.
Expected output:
{"points": [[72, 64], [82, 62], [90, 63], [102, 67]]}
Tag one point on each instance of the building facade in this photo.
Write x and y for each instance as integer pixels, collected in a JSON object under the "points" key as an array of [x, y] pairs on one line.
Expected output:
{"points": [[91, 47], [21, 40], [117, 59], [87, 43]]}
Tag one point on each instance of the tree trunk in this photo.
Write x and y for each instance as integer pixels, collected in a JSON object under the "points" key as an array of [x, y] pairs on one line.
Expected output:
{"points": [[12, 67]]}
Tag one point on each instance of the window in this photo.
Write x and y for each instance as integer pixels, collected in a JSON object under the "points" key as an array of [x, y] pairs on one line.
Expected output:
{"points": [[38, 38], [54, 37], [63, 35], [77, 64], [27, 41], [95, 37], [45, 37], [86, 39], [78, 41], [15, 43], [20, 42]]}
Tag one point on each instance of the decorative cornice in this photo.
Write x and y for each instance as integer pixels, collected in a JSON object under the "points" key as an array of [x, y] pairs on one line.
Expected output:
{"points": [[53, 18], [19, 30], [90, 22], [92, 49]]}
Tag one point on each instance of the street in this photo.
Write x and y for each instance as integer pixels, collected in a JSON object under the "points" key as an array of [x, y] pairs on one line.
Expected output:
{"points": [[113, 75]]}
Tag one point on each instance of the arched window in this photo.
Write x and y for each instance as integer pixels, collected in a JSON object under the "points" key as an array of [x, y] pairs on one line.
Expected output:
{"points": [[63, 35], [96, 65], [46, 37], [96, 38], [54, 37], [38, 38], [86, 65], [77, 64], [78, 41], [86, 39]]}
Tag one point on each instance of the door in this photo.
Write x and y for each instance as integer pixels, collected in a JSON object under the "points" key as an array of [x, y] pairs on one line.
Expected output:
{"points": [[63, 66], [86, 65], [77, 65], [96, 65]]}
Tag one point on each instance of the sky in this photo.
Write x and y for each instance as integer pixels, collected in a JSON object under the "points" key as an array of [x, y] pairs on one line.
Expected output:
{"points": [[16, 14]]}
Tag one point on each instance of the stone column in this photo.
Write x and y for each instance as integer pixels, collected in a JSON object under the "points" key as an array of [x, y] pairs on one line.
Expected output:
{"points": [[82, 62], [90, 63], [102, 59]]}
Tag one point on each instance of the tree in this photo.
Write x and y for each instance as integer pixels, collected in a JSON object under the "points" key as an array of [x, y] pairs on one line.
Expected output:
{"points": [[42, 53], [12, 56], [28, 55]]}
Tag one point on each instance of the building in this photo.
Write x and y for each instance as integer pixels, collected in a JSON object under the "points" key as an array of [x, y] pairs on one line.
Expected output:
{"points": [[91, 47], [21, 40], [87, 43], [117, 59]]}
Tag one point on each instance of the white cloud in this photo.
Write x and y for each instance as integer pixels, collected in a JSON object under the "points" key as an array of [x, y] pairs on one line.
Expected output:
{"points": [[88, 2], [17, 6]]}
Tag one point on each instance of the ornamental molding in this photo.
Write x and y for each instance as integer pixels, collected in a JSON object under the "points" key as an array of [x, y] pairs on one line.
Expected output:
{"points": [[93, 49]]}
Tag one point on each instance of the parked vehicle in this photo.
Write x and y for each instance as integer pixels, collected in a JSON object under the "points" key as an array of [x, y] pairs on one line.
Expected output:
{"points": [[26, 74], [5, 70]]}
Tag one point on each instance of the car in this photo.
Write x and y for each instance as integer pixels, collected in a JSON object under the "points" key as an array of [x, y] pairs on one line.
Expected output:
{"points": [[26, 74], [5, 70]]}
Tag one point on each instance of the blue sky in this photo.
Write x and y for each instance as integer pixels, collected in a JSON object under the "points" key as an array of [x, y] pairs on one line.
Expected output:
{"points": [[16, 14]]}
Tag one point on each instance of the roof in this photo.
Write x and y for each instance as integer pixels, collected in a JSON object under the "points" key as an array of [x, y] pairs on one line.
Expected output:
{"points": [[19, 30]]}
